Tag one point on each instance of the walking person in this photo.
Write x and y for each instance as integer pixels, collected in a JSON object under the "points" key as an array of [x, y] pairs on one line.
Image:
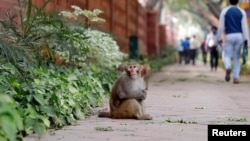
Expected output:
{"points": [[180, 51], [211, 45], [233, 22], [204, 51], [186, 47], [194, 45]]}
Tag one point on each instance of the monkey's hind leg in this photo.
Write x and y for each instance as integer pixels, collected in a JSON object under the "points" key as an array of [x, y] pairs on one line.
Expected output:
{"points": [[144, 116]]}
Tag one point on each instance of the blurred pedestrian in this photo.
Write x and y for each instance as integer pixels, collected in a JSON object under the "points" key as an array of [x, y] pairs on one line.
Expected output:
{"points": [[211, 45], [204, 51], [186, 47], [194, 45], [180, 51], [233, 22]]}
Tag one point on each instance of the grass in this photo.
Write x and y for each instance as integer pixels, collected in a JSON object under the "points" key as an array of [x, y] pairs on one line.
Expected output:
{"points": [[237, 119], [108, 128], [180, 121], [182, 79]]}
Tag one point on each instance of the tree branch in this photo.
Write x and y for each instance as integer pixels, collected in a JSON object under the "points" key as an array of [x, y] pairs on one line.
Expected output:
{"points": [[214, 7], [203, 13]]}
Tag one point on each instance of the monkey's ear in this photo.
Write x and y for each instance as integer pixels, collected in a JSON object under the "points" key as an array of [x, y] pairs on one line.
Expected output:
{"points": [[121, 68], [143, 70], [126, 68]]}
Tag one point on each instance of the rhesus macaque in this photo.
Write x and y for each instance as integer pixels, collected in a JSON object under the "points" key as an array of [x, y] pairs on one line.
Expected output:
{"points": [[127, 95], [145, 72]]}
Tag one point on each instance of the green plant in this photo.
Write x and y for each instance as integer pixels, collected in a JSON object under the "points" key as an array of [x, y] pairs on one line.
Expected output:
{"points": [[15, 55], [57, 96], [106, 76], [26, 45], [11, 122], [166, 57], [92, 16], [102, 48], [64, 95]]}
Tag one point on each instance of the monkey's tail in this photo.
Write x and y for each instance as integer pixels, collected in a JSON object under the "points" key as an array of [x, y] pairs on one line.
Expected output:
{"points": [[104, 114]]}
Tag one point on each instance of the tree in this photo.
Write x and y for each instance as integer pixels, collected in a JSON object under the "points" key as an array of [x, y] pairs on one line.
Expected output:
{"points": [[153, 4], [208, 10]]}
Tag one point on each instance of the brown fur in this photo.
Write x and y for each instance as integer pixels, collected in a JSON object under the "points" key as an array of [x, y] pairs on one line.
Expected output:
{"points": [[146, 73], [128, 95]]}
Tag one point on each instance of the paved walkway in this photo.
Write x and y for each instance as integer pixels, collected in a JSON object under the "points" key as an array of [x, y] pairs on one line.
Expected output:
{"points": [[183, 100]]}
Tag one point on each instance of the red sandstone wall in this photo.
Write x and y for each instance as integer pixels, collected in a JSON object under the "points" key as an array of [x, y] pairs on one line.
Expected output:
{"points": [[8, 6], [162, 36], [124, 18], [142, 29], [153, 33]]}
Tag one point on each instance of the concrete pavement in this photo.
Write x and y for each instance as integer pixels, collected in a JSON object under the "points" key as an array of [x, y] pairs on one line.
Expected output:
{"points": [[183, 100]]}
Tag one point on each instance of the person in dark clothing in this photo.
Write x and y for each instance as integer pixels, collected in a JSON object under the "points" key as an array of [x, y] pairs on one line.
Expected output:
{"points": [[214, 57], [180, 52], [186, 47], [204, 52], [211, 45]]}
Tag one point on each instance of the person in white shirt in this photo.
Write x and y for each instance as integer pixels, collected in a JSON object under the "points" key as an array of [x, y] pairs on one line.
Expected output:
{"points": [[233, 22], [212, 47], [194, 45]]}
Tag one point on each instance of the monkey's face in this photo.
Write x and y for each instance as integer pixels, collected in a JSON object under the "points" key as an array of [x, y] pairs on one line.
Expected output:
{"points": [[133, 71]]}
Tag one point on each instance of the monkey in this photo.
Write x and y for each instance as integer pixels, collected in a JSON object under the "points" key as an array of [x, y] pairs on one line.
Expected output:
{"points": [[145, 73], [128, 95]]}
